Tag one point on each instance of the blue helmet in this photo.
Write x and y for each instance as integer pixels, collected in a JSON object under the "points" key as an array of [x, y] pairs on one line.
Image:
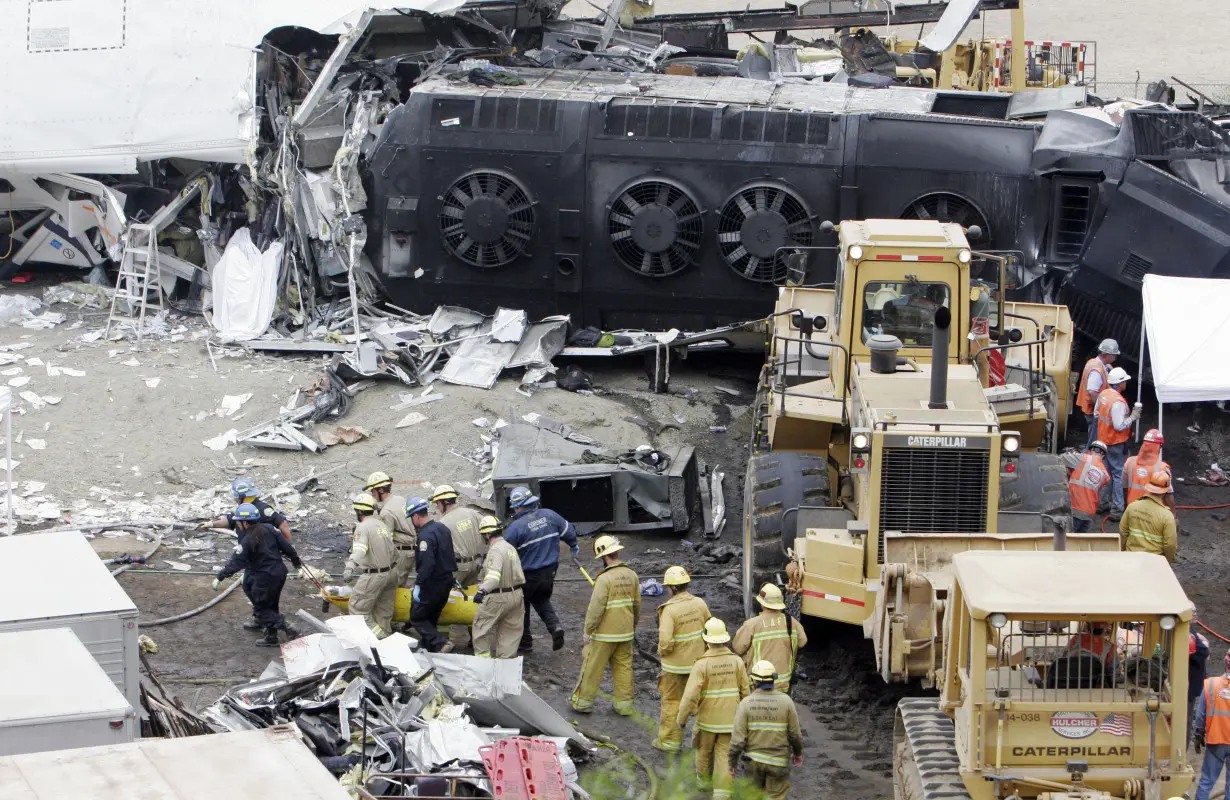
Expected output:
{"points": [[247, 512], [244, 487], [521, 496], [416, 505]]}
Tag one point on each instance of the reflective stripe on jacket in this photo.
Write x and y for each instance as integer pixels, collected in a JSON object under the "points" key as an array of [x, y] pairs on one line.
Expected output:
{"points": [[1084, 400], [1086, 484], [1111, 436], [767, 729], [615, 606], [765, 637], [717, 683], [1147, 526], [681, 621], [372, 545], [1136, 478]]}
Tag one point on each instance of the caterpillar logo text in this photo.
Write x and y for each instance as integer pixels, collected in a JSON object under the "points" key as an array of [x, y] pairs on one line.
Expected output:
{"points": [[938, 441]]}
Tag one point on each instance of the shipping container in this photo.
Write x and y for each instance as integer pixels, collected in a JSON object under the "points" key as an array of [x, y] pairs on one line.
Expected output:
{"points": [[55, 696], [56, 580]]}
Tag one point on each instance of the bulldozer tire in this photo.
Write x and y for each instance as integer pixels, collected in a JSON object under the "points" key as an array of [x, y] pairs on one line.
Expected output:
{"points": [[777, 482], [1040, 484]]}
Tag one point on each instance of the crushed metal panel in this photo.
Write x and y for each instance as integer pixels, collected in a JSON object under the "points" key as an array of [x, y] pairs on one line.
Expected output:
{"points": [[946, 32], [542, 342], [1040, 102]]}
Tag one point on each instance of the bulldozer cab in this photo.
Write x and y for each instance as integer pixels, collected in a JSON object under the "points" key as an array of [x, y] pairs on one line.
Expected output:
{"points": [[1063, 672]]}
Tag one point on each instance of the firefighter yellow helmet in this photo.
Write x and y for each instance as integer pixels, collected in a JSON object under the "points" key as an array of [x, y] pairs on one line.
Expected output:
{"points": [[378, 480], [606, 545], [676, 576], [488, 525], [443, 492], [764, 671], [364, 502], [771, 597], [715, 632]]}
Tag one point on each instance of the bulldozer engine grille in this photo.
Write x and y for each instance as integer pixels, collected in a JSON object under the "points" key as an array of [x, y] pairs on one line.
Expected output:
{"points": [[934, 490]]}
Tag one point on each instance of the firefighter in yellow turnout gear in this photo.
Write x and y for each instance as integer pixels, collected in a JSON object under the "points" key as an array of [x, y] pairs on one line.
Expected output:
{"points": [[610, 623], [373, 560], [501, 597], [681, 621], [772, 635], [767, 735], [468, 548], [392, 511], [717, 683]]}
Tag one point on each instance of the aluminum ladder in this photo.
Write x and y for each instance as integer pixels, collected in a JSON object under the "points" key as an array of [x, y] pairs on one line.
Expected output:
{"points": [[138, 276]]}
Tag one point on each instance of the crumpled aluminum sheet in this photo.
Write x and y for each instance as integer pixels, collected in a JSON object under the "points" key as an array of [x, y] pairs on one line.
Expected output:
{"points": [[443, 743], [542, 342]]}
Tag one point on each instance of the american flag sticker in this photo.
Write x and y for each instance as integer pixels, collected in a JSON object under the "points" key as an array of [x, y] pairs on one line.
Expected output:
{"points": [[1116, 725]]}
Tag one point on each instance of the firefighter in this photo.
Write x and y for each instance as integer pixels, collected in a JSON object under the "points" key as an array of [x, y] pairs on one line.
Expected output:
{"points": [[1146, 463], [1213, 730], [772, 635], [392, 510], [681, 621], [716, 686], [373, 559], [468, 548], [434, 579], [610, 625], [260, 556], [1115, 419], [1148, 526], [767, 735], [500, 596], [1085, 486], [536, 533], [1093, 381]]}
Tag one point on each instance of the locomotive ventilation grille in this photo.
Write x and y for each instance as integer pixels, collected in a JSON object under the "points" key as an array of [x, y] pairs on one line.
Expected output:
{"points": [[486, 219], [934, 490], [755, 223], [655, 228]]}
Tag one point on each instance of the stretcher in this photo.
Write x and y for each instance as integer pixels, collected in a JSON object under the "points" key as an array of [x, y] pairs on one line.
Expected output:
{"points": [[459, 610]]}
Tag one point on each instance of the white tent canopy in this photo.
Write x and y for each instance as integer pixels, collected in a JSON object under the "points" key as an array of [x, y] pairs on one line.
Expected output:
{"points": [[1187, 327]]}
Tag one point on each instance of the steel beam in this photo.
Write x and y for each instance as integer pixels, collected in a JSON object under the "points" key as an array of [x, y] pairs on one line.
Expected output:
{"points": [[788, 20]]}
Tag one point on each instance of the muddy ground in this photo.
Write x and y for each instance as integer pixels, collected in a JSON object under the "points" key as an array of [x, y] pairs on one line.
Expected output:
{"points": [[115, 432]]}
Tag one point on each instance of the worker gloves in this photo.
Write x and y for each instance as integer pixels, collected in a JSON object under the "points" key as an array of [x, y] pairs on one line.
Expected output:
{"points": [[348, 573], [479, 596], [576, 550], [1137, 410], [1198, 742], [217, 584], [414, 594]]}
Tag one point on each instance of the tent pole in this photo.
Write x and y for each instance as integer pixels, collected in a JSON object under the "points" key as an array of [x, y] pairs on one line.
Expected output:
{"points": [[1140, 381]]}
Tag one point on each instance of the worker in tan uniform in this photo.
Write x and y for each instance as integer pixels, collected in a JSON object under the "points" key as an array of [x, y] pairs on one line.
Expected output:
{"points": [[717, 683], [392, 510], [500, 597], [767, 736], [372, 559], [468, 548], [1147, 525], [681, 621], [772, 635], [610, 625]]}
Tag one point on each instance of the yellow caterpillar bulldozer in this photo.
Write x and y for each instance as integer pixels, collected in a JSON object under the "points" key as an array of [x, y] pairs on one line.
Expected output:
{"points": [[1065, 676], [906, 414]]}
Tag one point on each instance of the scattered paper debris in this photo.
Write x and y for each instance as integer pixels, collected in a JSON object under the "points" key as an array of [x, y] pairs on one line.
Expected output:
{"points": [[413, 418], [343, 434], [132, 362], [178, 565], [17, 382], [52, 400], [73, 373], [34, 362], [481, 422], [37, 444], [152, 382], [12, 371], [232, 403], [222, 440]]}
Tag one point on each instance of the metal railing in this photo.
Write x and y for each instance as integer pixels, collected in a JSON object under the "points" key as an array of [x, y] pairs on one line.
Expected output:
{"points": [[781, 366]]}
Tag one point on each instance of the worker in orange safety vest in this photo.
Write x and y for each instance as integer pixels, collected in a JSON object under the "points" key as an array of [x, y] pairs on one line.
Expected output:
{"points": [[1141, 467], [1115, 420], [1213, 730], [1085, 486], [1093, 381]]}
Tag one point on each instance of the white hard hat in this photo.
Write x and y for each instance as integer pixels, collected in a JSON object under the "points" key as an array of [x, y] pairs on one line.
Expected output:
{"points": [[1109, 347], [1118, 375]]}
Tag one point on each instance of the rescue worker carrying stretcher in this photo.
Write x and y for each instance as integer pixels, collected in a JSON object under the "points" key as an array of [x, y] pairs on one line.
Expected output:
{"points": [[610, 626], [468, 548], [716, 686], [1144, 465], [244, 491], [372, 559], [500, 596], [434, 579], [681, 621], [1085, 486], [260, 555], [767, 735], [772, 635], [536, 533], [392, 510]]}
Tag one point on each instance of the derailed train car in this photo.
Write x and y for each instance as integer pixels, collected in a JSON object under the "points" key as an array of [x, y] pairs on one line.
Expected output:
{"points": [[671, 201]]}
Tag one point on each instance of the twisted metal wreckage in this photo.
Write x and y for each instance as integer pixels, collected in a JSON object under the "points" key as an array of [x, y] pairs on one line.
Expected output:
{"points": [[495, 153]]}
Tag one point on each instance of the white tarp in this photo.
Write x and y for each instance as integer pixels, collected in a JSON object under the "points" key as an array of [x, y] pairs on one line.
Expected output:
{"points": [[93, 86], [1187, 327], [245, 288]]}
